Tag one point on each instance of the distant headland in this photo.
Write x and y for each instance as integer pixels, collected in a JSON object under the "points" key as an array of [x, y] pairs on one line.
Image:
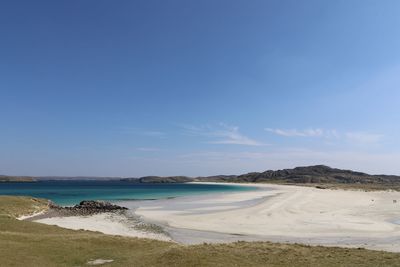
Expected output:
{"points": [[310, 175]]}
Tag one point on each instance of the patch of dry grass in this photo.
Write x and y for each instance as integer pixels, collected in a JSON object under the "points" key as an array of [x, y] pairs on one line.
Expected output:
{"points": [[17, 206]]}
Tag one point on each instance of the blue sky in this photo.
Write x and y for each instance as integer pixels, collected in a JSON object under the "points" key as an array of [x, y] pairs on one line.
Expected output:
{"points": [[132, 88]]}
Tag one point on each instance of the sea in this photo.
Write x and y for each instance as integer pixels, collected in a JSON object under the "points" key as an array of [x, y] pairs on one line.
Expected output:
{"points": [[67, 193]]}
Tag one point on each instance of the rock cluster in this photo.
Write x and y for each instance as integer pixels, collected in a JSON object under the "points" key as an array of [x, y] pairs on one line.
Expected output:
{"points": [[88, 207]]}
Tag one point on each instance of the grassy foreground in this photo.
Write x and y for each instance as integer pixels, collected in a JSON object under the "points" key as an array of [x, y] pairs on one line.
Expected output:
{"points": [[24, 243]]}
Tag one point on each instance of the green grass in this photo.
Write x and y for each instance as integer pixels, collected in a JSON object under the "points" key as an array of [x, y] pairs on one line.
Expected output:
{"points": [[24, 243], [17, 206]]}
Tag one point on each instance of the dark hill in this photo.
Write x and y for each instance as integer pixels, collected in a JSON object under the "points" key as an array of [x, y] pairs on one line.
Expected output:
{"points": [[318, 174], [159, 179], [6, 178]]}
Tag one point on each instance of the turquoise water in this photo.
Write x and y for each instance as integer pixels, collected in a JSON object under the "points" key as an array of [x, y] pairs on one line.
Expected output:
{"points": [[72, 192]]}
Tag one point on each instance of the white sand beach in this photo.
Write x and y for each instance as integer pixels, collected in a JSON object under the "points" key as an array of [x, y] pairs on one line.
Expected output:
{"points": [[292, 213], [274, 212]]}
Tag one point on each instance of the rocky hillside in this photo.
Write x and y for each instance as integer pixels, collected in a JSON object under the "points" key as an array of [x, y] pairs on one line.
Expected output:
{"points": [[312, 174], [318, 174]]}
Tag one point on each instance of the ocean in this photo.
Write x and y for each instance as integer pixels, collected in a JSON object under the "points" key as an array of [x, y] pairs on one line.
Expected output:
{"points": [[72, 192]]}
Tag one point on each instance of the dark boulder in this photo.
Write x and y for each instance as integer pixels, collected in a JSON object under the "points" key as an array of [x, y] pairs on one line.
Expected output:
{"points": [[88, 207]]}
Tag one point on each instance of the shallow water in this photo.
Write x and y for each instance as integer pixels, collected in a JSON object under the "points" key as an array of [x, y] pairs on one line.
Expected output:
{"points": [[72, 192]]}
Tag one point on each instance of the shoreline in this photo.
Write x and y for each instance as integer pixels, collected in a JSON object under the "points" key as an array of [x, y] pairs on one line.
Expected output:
{"points": [[129, 225], [277, 213]]}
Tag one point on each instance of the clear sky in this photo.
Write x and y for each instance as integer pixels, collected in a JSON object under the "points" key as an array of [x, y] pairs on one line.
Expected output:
{"points": [[133, 88]]}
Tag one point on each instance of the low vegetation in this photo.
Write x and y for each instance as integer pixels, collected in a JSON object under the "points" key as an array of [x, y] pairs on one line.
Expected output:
{"points": [[24, 243], [7, 179], [11, 206]]}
